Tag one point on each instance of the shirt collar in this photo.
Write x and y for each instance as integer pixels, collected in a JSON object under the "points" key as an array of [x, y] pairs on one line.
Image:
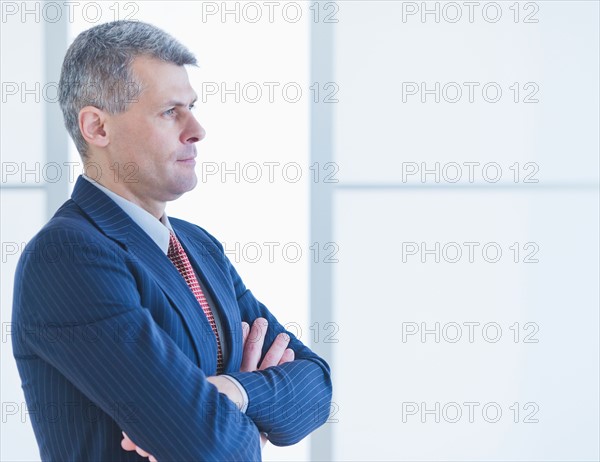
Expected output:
{"points": [[158, 230]]}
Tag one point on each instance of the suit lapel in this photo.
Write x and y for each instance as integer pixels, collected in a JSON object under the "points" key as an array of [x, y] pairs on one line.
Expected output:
{"points": [[214, 279], [117, 225]]}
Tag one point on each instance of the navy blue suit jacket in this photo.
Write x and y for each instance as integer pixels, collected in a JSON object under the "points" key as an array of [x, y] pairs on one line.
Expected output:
{"points": [[108, 337]]}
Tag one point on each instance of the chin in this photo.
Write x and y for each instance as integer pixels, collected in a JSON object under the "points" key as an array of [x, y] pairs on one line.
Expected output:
{"points": [[185, 185]]}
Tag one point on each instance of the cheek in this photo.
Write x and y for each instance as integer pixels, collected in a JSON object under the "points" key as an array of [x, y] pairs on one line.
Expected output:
{"points": [[151, 146], [126, 136], [135, 129], [159, 137], [136, 139]]}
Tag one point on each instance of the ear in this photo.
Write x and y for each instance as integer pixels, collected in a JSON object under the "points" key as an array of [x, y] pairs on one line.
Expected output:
{"points": [[91, 125]]}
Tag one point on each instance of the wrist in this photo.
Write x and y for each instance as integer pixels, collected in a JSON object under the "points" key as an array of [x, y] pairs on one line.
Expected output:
{"points": [[228, 388]]}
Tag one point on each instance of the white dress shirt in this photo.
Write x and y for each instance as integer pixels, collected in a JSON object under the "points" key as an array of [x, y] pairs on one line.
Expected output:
{"points": [[159, 232]]}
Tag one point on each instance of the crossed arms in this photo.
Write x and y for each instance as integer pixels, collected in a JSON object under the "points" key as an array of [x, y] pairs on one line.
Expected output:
{"points": [[179, 412], [253, 342]]}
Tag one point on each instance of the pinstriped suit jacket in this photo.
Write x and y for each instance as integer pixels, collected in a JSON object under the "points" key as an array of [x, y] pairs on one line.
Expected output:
{"points": [[108, 337]]}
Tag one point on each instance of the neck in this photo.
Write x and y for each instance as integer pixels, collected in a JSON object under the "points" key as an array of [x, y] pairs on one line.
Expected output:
{"points": [[153, 207]]}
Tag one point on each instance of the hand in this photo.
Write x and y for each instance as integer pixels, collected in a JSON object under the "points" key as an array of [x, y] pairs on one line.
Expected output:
{"points": [[129, 445], [252, 344], [253, 341]]}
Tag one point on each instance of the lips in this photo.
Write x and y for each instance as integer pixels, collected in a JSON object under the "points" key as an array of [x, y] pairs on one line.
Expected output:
{"points": [[189, 155], [188, 158]]}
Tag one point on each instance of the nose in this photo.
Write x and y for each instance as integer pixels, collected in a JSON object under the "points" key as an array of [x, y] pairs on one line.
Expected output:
{"points": [[193, 131]]}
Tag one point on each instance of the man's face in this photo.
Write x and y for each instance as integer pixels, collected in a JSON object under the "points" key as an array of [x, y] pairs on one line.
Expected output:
{"points": [[152, 145]]}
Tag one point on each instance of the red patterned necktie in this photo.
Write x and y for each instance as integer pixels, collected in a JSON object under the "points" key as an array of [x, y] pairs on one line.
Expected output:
{"points": [[177, 255]]}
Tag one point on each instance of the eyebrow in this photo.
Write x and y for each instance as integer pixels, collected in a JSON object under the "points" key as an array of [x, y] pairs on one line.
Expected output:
{"points": [[179, 103]]}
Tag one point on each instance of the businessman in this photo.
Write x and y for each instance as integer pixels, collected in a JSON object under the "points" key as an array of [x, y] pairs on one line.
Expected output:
{"points": [[134, 335]]}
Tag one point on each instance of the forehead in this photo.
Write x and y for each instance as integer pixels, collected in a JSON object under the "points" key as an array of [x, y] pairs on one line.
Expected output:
{"points": [[161, 80]]}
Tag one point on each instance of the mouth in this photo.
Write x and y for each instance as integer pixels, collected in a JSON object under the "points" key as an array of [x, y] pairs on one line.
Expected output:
{"points": [[189, 159]]}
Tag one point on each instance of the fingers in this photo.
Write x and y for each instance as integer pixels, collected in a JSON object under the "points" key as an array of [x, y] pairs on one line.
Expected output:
{"points": [[253, 341], [253, 346], [276, 351], [245, 332], [129, 445], [288, 356], [141, 452], [126, 443]]}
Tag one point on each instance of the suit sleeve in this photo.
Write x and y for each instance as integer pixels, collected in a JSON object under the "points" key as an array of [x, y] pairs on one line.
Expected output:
{"points": [[108, 345], [289, 401]]}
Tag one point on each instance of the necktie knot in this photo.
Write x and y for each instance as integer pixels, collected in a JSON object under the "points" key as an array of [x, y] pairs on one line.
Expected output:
{"points": [[174, 245]]}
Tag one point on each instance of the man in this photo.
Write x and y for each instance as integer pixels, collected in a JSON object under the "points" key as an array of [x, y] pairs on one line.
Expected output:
{"points": [[132, 327]]}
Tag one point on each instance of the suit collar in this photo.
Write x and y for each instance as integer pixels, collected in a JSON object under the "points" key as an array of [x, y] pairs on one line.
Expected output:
{"points": [[158, 230], [117, 225], [103, 211]]}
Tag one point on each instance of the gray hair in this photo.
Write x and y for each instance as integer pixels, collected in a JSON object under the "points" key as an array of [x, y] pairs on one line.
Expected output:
{"points": [[97, 70]]}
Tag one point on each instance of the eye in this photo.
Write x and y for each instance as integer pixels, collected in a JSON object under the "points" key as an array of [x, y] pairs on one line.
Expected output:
{"points": [[192, 106], [169, 112]]}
